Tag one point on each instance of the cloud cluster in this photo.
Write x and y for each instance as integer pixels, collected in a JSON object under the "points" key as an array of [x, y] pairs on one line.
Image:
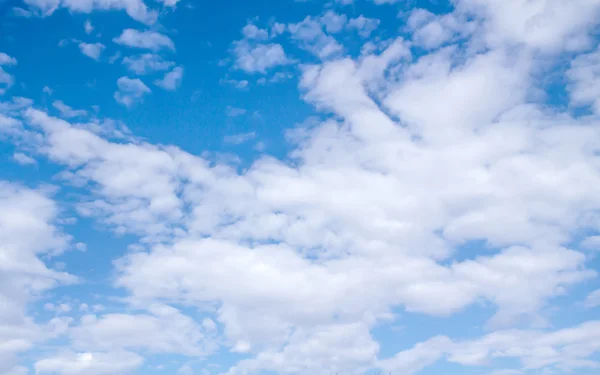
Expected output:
{"points": [[294, 262]]}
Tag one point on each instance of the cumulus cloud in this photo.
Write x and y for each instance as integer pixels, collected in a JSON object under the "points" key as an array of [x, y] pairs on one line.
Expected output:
{"points": [[27, 232], [130, 91], [67, 111], [151, 40], [92, 50], [172, 80], [7, 60], [136, 9], [146, 63], [259, 58], [23, 159], [88, 27], [297, 260], [72, 363], [6, 79]]}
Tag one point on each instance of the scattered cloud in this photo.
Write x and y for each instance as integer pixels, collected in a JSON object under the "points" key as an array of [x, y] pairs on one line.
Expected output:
{"points": [[259, 58], [172, 80], [23, 159], [88, 27], [150, 40], [238, 139], [92, 50], [136, 9], [235, 112], [66, 111], [130, 91], [146, 63]]}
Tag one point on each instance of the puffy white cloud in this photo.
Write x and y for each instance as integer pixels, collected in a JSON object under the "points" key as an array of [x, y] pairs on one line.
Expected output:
{"points": [[27, 232], [92, 50], [107, 363], [67, 111], [169, 3], [172, 80], [136, 9], [146, 63], [585, 80], [259, 58], [163, 330], [88, 27], [298, 260], [566, 350], [545, 25], [147, 39], [250, 31], [7, 60], [23, 159], [130, 91], [6, 79], [310, 36], [237, 139]]}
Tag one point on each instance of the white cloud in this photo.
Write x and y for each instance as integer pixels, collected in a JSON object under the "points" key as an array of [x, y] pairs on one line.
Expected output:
{"points": [[238, 84], [237, 139], [66, 111], [70, 363], [151, 40], [88, 27], [164, 330], [250, 31], [566, 350], [130, 91], [593, 299], [545, 25], [414, 157], [23, 159], [146, 63], [431, 31], [363, 25], [92, 50], [311, 37], [169, 3], [172, 80], [6, 79], [234, 111], [585, 80], [27, 233], [136, 9], [259, 58], [7, 60], [591, 243], [47, 90]]}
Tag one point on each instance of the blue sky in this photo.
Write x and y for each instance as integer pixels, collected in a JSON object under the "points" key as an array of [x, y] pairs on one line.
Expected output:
{"points": [[299, 187]]}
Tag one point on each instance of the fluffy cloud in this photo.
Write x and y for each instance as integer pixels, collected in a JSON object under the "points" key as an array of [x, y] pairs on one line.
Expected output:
{"points": [[6, 59], [146, 63], [27, 232], [151, 40], [6, 79], [298, 260], [136, 9], [92, 50], [70, 363], [567, 349], [171, 80], [67, 111], [130, 91], [259, 58]]}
